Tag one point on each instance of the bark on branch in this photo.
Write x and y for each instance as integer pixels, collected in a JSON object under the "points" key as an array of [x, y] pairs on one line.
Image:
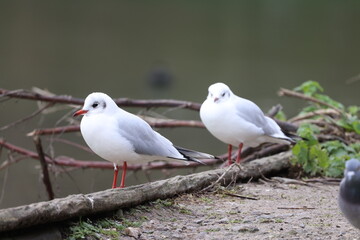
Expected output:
{"points": [[113, 199], [126, 102], [70, 162], [153, 122], [290, 93]]}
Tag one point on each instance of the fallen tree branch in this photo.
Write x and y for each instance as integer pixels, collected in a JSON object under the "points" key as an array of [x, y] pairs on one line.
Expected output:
{"points": [[313, 114], [70, 162], [126, 102], [153, 122], [290, 93], [113, 199]]}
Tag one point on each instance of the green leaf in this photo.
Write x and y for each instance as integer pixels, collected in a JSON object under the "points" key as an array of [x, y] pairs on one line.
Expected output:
{"points": [[344, 124], [353, 110], [309, 88], [329, 101], [320, 155], [356, 126], [308, 131], [280, 116], [308, 109], [300, 152], [336, 168]]}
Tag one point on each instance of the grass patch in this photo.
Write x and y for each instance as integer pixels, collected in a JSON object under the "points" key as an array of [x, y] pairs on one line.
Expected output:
{"points": [[105, 228]]}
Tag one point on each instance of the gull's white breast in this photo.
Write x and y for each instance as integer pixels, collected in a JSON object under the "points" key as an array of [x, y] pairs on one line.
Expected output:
{"points": [[222, 120], [101, 133]]}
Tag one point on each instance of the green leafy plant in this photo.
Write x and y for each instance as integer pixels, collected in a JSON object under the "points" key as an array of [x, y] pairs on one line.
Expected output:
{"points": [[349, 117], [325, 158]]}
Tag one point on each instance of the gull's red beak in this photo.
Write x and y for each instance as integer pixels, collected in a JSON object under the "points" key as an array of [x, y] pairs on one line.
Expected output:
{"points": [[216, 99], [80, 112]]}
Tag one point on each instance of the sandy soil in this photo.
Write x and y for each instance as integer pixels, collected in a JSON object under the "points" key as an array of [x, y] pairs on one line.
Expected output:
{"points": [[281, 211]]}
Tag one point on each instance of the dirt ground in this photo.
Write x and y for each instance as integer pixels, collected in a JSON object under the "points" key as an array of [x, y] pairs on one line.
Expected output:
{"points": [[281, 211], [259, 210]]}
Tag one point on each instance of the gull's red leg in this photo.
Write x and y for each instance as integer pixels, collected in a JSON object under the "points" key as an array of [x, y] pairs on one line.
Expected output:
{"points": [[116, 170], [122, 184], [238, 158], [229, 154]]}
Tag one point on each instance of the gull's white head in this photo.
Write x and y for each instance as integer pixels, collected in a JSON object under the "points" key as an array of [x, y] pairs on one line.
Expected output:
{"points": [[96, 103], [219, 92]]}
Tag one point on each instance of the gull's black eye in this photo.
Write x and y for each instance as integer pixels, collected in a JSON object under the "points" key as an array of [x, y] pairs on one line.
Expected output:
{"points": [[223, 94], [95, 104]]}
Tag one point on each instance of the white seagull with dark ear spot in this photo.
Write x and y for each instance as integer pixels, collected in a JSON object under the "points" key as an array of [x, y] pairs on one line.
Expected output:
{"points": [[120, 137], [349, 194], [238, 121]]}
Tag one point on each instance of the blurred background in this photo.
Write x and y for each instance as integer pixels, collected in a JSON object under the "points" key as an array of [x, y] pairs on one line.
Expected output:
{"points": [[163, 49]]}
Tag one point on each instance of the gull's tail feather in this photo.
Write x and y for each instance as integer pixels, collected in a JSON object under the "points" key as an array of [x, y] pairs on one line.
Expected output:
{"points": [[294, 138], [194, 156]]}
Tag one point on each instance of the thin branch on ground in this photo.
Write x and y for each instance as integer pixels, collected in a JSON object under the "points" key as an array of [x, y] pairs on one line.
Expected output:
{"points": [[291, 181], [240, 196], [297, 208], [220, 177]]}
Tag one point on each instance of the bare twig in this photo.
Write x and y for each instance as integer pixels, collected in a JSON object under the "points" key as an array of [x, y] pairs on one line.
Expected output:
{"points": [[267, 151], [274, 110], [297, 208], [290, 93], [240, 196], [314, 113], [73, 144], [126, 102], [3, 187], [26, 118], [329, 181], [156, 123], [220, 177], [57, 130], [291, 181], [45, 172], [70, 162], [9, 161], [170, 123]]}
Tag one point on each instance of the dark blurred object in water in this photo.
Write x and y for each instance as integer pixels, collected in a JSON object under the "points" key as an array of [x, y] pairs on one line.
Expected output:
{"points": [[160, 78]]}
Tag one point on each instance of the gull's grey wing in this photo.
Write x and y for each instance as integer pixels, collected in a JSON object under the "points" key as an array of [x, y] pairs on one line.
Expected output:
{"points": [[249, 111], [144, 139]]}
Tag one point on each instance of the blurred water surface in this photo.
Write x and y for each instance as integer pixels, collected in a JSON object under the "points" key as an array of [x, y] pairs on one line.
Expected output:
{"points": [[164, 49]]}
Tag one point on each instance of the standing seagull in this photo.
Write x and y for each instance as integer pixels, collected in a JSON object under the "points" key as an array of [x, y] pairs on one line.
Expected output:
{"points": [[349, 194], [238, 121], [121, 137]]}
